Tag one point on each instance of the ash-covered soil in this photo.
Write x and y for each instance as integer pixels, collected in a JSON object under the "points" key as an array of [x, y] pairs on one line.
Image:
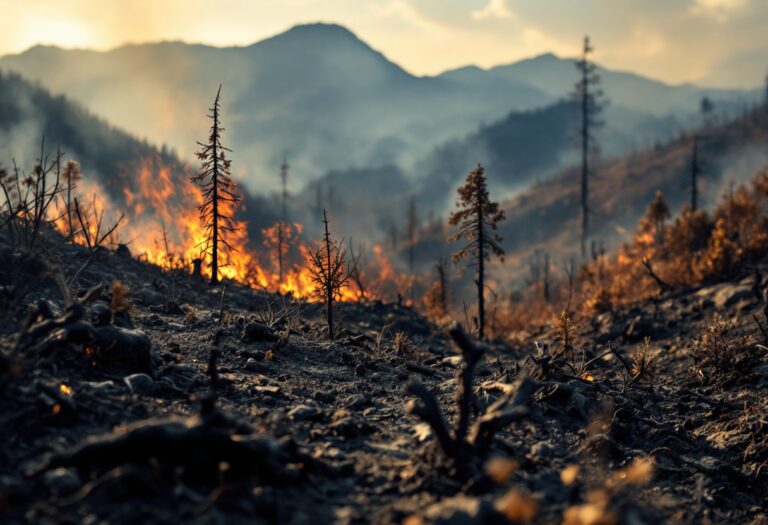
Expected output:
{"points": [[254, 417]]}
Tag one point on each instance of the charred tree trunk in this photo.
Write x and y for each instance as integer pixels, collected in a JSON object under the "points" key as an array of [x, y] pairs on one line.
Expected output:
{"points": [[695, 171], [584, 159], [443, 297], [480, 270], [329, 288], [283, 218]]}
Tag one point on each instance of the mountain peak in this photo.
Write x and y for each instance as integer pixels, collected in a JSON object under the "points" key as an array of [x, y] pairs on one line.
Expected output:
{"points": [[319, 32], [546, 57], [321, 28]]}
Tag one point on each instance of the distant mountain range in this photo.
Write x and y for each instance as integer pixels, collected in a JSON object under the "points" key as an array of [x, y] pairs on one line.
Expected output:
{"points": [[323, 97]]}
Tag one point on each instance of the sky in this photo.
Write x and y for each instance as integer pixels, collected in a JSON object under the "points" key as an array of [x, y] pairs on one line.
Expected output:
{"points": [[712, 42]]}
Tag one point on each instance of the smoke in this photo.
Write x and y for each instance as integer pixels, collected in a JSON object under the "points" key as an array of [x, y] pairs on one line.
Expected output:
{"points": [[736, 168]]}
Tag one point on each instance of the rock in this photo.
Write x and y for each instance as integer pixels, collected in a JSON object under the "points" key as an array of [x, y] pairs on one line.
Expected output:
{"points": [[325, 397], [578, 406], [100, 314], [258, 332], [139, 383], [638, 329], [149, 297], [268, 390], [357, 401], [62, 481], [349, 427], [729, 294], [453, 360], [129, 348], [541, 451], [98, 386], [303, 412], [461, 510], [255, 366]]}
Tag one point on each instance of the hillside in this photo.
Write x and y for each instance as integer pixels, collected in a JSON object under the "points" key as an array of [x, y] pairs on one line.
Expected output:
{"points": [[321, 95], [108, 154], [153, 401], [546, 216], [113, 163]]}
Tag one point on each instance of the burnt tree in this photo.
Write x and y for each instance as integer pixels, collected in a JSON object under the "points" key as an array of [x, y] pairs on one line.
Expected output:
{"points": [[328, 270], [436, 297], [695, 172], [477, 219], [590, 100], [283, 217], [220, 195], [411, 226]]}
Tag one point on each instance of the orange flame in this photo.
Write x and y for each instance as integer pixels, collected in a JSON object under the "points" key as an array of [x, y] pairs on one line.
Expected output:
{"points": [[162, 225]]}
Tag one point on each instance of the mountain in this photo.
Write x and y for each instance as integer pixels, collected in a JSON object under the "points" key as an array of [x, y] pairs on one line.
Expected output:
{"points": [[315, 92], [324, 98], [556, 76]]}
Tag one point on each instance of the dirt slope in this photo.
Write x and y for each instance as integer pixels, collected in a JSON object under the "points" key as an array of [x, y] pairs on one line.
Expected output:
{"points": [[290, 428]]}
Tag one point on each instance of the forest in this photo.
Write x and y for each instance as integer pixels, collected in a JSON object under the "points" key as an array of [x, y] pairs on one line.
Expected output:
{"points": [[234, 291]]}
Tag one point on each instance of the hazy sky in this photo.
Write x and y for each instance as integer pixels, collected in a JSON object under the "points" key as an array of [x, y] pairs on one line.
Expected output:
{"points": [[718, 42]]}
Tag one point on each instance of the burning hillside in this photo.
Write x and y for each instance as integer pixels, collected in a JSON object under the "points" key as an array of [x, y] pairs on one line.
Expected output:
{"points": [[161, 224]]}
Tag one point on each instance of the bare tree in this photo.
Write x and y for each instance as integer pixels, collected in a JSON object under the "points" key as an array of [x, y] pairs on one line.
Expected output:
{"points": [[590, 99], [355, 268], [765, 94], [695, 172], [436, 297], [707, 108], [477, 219], [538, 269], [71, 177], [658, 212], [328, 269], [28, 198], [220, 195], [411, 226], [283, 216]]}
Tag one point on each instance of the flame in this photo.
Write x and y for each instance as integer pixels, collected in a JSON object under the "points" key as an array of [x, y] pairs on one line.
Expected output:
{"points": [[162, 226], [65, 389]]}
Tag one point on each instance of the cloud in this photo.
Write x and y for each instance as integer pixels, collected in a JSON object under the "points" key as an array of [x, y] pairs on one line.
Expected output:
{"points": [[717, 9], [494, 9], [407, 12]]}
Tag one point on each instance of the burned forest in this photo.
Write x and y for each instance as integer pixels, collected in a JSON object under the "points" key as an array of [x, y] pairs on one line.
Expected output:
{"points": [[294, 282]]}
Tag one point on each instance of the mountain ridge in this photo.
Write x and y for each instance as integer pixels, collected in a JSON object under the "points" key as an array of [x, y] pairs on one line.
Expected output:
{"points": [[321, 95]]}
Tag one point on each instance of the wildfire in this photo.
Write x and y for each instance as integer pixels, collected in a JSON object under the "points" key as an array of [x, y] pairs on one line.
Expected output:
{"points": [[163, 227]]}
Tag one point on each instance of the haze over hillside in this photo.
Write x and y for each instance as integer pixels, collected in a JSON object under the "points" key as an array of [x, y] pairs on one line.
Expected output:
{"points": [[108, 157], [546, 217], [329, 101]]}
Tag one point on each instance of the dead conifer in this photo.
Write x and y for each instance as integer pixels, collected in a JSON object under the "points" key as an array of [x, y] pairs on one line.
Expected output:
{"points": [[220, 194], [329, 273], [477, 219], [589, 97]]}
